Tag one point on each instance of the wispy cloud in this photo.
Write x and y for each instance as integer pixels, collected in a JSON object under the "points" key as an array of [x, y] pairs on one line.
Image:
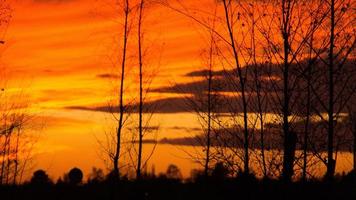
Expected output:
{"points": [[107, 76]]}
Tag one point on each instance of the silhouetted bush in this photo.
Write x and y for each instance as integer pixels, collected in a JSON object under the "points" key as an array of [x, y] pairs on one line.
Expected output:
{"points": [[173, 172], [350, 177], [220, 172], [96, 176], [197, 175], [40, 177], [246, 177], [75, 176]]}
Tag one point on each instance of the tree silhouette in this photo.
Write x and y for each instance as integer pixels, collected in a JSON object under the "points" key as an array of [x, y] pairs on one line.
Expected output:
{"points": [[338, 35], [75, 176], [40, 177], [140, 56], [173, 172], [126, 11]]}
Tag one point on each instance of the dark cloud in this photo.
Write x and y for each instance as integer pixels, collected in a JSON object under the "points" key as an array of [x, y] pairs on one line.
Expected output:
{"points": [[269, 76], [231, 103], [205, 73], [263, 69], [167, 105], [107, 76], [228, 137], [146, 129], [233, 137], [179, 128], [225, 81], [219, 84], [200, 86], [226, 104]]}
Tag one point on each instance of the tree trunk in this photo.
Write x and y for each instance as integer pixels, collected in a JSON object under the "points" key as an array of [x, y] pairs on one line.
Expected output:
{"points": [[242, 80], [121, 95], [140, 138], [308, 111], [331, 162], [210, 80], [259, 97], [290, 138], [307, 122]]}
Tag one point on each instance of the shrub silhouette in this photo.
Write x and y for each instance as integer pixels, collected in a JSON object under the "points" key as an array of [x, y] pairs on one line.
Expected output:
{"points": [[220, 171], [197, 175], [96, 176], [40, 177], [173, 172], [75, 176]]}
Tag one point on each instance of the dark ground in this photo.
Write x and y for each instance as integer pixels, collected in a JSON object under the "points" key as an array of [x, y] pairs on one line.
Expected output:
{"points": [[169, 189]]}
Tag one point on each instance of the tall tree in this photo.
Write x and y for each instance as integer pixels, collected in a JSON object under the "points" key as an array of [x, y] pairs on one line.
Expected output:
{"points": [[289, 137], [331, 162], [140, 58], [334, 93], [286, 32], [252, 17], [228, 33], [242, 77], [209, 107], [126, 11]]}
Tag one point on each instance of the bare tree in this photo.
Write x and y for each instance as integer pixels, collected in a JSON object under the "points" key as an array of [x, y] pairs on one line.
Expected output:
{"points": [[229, 15], [287, 30], [289, 137], [140, 128], [16, 143], [228, 33], [338, 12], [146, 77], [126, 11], [123, 147], [251, 16], [307, 71], [332, 89], [17, 136], [205, 103], [209, 105], [331, 162]]}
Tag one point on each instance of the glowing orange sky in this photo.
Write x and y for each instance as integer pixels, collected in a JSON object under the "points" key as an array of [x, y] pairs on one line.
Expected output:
{"points": [[61, 46], [57, 49]]}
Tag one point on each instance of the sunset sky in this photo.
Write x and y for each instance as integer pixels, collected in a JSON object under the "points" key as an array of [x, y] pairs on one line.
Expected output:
{"points": [[62, 53], [64, 56]]}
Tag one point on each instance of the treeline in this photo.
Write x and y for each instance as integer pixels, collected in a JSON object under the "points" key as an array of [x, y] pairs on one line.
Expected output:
{"points": [[170, 185]]}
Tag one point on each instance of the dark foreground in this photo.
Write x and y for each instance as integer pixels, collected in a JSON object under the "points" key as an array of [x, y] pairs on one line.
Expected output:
{"points": [[169, 189]]}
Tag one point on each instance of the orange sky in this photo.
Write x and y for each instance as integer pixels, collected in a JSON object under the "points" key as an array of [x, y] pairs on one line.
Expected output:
{"points": [[59, 47], [55, 51]]}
